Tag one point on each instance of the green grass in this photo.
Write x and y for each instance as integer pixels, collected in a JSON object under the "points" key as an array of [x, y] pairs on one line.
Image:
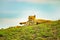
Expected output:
{"points": [[42, 31]]}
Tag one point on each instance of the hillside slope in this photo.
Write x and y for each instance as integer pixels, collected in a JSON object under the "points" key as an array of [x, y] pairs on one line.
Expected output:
{"points": [[35, 32]]}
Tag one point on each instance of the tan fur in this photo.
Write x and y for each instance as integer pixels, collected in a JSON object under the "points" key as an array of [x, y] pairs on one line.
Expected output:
{"points": [[32, 20]]}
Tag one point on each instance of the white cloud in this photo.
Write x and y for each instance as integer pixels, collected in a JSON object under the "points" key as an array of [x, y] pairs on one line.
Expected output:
{"points": [[6, 22], [39, 1], [34, 1], [56, 14]]}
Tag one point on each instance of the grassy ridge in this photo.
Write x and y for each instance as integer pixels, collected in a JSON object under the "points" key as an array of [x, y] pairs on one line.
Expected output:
{"points": [[42, 31]]}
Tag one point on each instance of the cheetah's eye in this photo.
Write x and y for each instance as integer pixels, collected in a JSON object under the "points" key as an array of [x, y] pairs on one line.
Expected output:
{"points": [[30, 18]]}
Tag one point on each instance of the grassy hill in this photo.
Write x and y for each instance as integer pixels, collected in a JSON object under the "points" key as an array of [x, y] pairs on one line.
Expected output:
{"points": [[42, 31]]}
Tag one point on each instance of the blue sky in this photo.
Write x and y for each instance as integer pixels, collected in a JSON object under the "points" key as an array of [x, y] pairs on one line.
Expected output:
{"points": [[14, 11]]}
